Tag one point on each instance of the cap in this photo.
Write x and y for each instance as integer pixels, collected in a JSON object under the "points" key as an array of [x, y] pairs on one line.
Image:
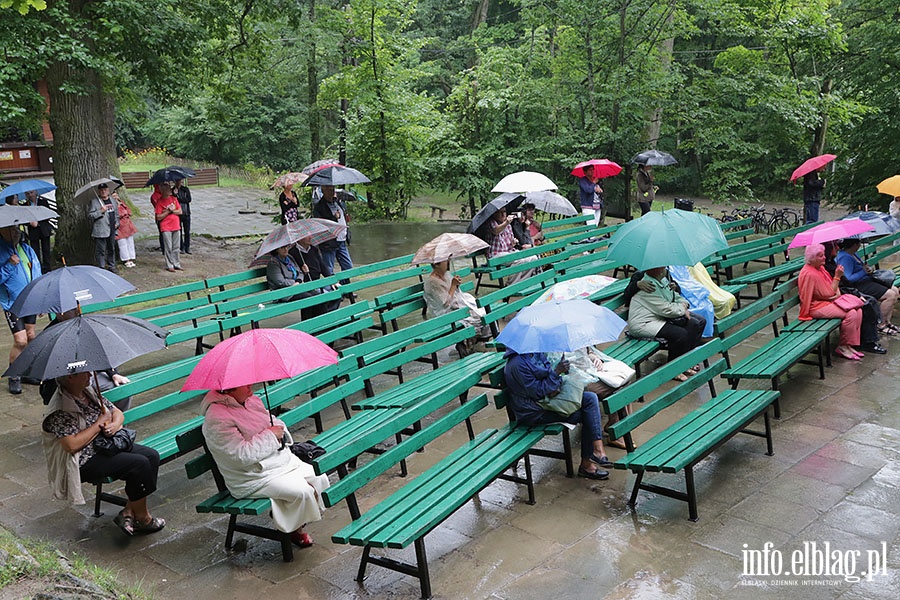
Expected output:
{"points": [[102, 186]]}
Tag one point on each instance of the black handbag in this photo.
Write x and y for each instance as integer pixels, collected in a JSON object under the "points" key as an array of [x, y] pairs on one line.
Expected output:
{"points": [[120, 441], [307, 451]]}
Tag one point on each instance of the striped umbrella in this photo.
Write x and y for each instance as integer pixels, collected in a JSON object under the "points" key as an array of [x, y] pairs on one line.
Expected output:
{"points": [[318, 230]]}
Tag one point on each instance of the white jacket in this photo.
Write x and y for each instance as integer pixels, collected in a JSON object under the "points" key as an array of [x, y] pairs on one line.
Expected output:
{"points": [[247, 453]]}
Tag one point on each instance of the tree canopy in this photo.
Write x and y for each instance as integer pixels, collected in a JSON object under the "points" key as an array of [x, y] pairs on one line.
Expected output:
{"points": [[455, 94]]}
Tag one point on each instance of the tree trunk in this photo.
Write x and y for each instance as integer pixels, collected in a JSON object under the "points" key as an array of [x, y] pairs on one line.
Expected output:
{"points": [[481, 13], [819, 135], [666, 47], [312, 85], [83, 150]]}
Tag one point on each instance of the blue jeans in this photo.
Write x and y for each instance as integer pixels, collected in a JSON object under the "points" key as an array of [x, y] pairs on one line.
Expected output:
{"points": [[589, 417], [342, 253], [811, 209]]}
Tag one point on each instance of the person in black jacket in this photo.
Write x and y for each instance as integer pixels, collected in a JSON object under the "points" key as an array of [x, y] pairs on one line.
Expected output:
{"points": [[183, 194], [812, 195], [332, 208], [40, 232]]}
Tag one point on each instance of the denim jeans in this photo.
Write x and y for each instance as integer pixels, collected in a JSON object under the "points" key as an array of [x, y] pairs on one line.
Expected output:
{"points": [[589, 417], [342, 253]]}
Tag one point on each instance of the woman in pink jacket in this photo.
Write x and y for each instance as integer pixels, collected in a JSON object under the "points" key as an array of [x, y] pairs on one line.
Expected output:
{"points": [[248, 450]]}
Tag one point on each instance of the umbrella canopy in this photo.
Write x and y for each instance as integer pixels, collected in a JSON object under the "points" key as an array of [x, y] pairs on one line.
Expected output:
{"points": [[881, 222], [63, 289], [292, 178], [87, 343], [28, 185], [256, 356], [524, 181], [672, 237], [447, 246], [602, 168], [580, 287], [890, 186], [509, 202], [561, 327], [320, 164], [20, 215], [547, 201], [831, 230], [336, 175], [318, 230], [811, 165], [88, 191], [171, 173], [654, 158]]}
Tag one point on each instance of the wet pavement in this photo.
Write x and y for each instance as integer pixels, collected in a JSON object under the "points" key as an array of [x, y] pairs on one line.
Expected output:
{"points": [[833, 484]]}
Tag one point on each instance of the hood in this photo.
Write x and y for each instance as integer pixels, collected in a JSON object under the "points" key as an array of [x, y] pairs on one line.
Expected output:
{"points": [[214, 397]]}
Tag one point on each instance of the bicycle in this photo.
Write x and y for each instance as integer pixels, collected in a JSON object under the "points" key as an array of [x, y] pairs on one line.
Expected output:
{"points": [[782, 219]]}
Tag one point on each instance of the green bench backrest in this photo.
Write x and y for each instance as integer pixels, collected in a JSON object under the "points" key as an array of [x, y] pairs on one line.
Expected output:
{"points": [[148, 296]]}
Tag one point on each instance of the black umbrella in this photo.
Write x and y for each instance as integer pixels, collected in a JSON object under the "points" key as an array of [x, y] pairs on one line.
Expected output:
{"points": [[315, 166], [172, 173], [336, 175], [507, 200], [88, 191], [87, 343], [63, 289], [20, 215], [654, 158]]}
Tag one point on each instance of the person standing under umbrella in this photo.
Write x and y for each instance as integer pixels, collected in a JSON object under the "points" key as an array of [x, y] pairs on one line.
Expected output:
{"points": [[591, 195], [40, 232], [104, 211], [20, 266], [289, 204], [183, 193], [333, 208], [125, 234], [646, 190], [812, 195], [168, 211]]}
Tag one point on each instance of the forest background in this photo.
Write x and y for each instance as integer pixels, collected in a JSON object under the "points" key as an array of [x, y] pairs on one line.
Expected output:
{"points": [[454, 94]]}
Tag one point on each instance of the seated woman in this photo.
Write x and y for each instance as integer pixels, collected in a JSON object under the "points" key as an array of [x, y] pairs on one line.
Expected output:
{"points": [[442, 295], [858, 274], [75, 418], [531, 377], [818, 291], [871, 310], [247, 447], [698, 297], [282, 271], [657, 310]]}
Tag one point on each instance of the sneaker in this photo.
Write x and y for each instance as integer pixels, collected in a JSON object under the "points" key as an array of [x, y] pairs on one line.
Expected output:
{"points": [[15, 385]]}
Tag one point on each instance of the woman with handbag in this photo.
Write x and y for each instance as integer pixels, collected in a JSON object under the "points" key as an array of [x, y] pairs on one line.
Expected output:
{"points": [[820, 298], [77, 421], [858, 274], [250, 449], [534, 384]]}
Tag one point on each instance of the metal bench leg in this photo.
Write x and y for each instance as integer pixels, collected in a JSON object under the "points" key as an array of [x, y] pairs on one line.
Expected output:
{"points": [[777, 402], [821, 361], [97, 511], [229, 535], [528, 479], [287, 552], [567, 450], [363, 562], [422, 563], [691, 493], [632, 501], [770, 450]]}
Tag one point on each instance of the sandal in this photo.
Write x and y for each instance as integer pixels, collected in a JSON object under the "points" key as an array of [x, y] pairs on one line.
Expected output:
{"points": [[847, 355], [152, 526], [887, 329], [302, 539], [682, 377], [616, 444], [125, 523]]}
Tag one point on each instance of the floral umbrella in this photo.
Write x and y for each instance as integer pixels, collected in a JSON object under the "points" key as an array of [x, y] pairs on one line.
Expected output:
{"points": [[447, 246], [292, 178]]}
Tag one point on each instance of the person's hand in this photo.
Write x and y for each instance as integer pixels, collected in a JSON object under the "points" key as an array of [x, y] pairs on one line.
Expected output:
{"points": [[456, 280], [278, 430], [645, 286], [839, 272], [562, 367], [868, 269], [32, 224], [510, 218], [120, 379], [304, 268], [687, 314], [595, 360], [14, 259], [673, 286]]}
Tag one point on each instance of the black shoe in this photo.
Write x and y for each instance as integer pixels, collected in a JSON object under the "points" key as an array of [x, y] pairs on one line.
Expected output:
{"points": [[351, 297], [603, 461], [187, 251], [874, 348], [31, 381], [15, 385], [599, 474]]}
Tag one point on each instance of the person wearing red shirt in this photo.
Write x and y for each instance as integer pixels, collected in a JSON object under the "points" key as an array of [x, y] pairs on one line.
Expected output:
{"points": [[168, 213]]}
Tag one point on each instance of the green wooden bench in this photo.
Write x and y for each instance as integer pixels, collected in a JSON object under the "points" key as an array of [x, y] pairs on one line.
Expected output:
{"points": [[194, 290], [774, 274], [223, 502], [691, 438]]}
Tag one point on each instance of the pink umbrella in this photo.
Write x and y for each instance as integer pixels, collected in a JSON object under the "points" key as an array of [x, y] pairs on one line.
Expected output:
{"points": [[256, 356], [602, 168], [832, 230], [811, 165]]}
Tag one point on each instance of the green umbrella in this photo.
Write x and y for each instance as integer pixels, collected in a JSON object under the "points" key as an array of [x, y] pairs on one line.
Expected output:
{"points": [[672, 237]]}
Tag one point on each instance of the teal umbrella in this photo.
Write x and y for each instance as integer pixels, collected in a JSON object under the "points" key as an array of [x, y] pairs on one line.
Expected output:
{"points": [[671, 237]]}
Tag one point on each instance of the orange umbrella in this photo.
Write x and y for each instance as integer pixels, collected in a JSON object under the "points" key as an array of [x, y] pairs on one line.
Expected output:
{"points": [[890, 186]]}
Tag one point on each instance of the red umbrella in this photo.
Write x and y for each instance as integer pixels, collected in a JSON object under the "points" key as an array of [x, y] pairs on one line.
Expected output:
{"points": [[811, 165], [602, 168]]}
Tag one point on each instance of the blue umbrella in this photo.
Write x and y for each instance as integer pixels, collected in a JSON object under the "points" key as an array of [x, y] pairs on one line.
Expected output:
{"points": [[63, 289], [28, 185], [561, 327], [883, 223]]}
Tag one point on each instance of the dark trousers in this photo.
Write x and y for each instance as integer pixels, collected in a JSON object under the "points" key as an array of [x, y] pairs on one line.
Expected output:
{"points": [[186, 228], [41, 246], [810, 212], [105, 252], [589, 417], [645, 207], [138, 469], [683, 338]]}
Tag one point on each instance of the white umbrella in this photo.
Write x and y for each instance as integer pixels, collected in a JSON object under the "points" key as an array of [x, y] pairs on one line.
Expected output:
{"points": [[550, 202], [524, 181]]}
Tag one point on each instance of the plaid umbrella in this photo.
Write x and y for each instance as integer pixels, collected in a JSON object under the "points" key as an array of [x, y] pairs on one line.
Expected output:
{"points": [[318, 230], [447, 246], [292, 178]]}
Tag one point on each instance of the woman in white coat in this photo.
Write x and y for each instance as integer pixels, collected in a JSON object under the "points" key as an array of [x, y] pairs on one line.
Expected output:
{"points": [[248, 449]]}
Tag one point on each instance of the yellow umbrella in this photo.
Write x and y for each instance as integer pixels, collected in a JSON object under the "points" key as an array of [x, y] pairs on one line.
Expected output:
{"points": [[890, 186]]}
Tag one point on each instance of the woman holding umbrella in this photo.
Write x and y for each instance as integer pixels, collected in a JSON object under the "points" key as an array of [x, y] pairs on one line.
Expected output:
{"points": [[76, 417]]}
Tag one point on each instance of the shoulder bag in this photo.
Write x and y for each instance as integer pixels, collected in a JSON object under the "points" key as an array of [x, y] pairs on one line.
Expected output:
{"points": [[120, 441]]}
